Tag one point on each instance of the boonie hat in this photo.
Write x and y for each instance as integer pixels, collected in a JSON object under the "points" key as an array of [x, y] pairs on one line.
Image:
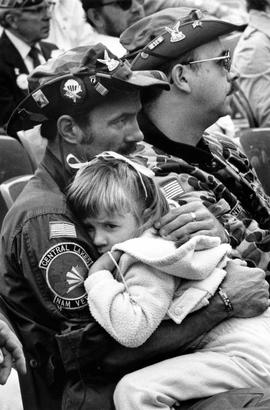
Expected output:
{"points": [[170, 33], [74, 82]]}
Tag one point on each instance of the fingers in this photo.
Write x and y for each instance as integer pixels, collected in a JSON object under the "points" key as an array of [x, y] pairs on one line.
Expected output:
{"points": [[180, 224], [6, 366], [10, 342], [196, 207]]}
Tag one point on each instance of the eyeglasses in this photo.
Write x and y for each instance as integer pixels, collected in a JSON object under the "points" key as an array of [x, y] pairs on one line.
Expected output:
{"points": [[45, 8], [123, 4], [225, 60]]}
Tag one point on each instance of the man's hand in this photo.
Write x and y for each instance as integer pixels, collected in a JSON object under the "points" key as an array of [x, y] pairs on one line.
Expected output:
{"points": [[12, 353], [247, 289], [180, 224], [105, 262]]}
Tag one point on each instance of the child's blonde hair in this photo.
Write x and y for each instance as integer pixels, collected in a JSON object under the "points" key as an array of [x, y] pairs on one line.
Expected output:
{"points": [[112, 186]]}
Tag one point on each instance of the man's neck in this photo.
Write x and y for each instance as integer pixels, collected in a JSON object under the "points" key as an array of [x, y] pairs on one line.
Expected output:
{"points": [[177, 126]]}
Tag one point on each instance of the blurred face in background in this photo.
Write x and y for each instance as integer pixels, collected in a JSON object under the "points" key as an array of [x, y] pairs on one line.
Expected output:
{"points": [[31, 24], [115, 16]]}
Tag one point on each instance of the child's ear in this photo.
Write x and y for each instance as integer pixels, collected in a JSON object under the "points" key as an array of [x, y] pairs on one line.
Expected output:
{"points": [[146, 215]]}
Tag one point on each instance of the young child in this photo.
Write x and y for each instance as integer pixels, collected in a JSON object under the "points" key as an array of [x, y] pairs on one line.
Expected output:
{"points": [[119, 201]]}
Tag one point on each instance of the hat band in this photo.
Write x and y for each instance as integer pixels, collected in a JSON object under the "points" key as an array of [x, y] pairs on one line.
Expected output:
{"points": [[152, 53]]}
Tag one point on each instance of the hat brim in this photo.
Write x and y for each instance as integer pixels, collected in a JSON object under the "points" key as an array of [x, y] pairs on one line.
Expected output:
{"points": [[194, 34], [29, 113]]}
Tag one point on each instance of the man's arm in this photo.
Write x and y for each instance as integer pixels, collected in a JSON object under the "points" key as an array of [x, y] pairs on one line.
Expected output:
{"points": [[248, 293]]}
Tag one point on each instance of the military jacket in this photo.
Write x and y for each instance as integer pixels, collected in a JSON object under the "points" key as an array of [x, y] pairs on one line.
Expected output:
{"points": [[45, 257], [216, 165]]}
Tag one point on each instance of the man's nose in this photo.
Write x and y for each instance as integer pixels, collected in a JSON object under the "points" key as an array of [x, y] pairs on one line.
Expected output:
{"points": [[233, 75], [135, 6], [134, 133]]}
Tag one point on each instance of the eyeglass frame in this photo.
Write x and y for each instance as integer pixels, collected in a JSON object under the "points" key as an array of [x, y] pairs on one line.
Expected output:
{"points": [[120, 4], [225, 58]]}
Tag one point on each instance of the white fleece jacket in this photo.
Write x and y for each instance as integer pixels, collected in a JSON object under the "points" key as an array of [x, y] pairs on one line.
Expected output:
{"points": [[131, 304]]}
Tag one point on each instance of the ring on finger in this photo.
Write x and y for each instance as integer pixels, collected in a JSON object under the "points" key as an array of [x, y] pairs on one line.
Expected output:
{"points": [[193, 216]]}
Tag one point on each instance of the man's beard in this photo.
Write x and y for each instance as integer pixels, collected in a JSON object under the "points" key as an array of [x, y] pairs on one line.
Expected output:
{"points": [[110, 28]]}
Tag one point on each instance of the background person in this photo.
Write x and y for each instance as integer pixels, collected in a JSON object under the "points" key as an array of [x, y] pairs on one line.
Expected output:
{"points": [[91, 106], [25, 24], [251, 60], [110, 18], [233, 13]]}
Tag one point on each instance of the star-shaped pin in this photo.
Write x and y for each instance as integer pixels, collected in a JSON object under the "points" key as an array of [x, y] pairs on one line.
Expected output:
{"points": [[109, 62], [197, 23]]}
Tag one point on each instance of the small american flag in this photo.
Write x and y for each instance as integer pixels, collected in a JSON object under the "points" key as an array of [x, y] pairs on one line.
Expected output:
{"points": [[172, 189], [59, 229]]}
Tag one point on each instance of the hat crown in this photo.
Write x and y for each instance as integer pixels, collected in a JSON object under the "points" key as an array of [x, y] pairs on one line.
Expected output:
{"points": [[169, 34], [76, 81], [80, 61]]}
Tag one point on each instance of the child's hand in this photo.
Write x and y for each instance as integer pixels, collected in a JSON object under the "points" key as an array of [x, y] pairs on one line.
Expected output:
{"points": [[105, 262]]}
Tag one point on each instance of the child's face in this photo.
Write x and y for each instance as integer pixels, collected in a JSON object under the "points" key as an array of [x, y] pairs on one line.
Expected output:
{"points": [[106, 230]]}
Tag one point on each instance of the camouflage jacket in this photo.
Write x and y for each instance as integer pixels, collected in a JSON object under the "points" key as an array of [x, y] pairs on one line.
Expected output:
{"points": [[216, 166]]}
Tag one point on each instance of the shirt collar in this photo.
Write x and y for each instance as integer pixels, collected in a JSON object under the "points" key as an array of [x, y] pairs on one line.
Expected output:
{"points": [[260, 21], [22, 47]]}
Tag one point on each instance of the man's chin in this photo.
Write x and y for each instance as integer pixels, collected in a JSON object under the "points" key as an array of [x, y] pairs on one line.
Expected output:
{"points": [[130, 149]]}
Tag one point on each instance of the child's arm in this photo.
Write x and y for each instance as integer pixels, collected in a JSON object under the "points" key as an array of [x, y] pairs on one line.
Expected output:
{"points": [[130, 311], [105, 262]]}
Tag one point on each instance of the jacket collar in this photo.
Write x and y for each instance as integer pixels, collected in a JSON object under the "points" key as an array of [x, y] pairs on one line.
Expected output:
{"points": [[153, 136], [55, 169], [11, 54]]}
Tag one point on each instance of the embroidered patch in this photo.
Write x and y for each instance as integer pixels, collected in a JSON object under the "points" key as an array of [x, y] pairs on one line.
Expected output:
{"points": [[59, 229], [176, 35], [73, 89], [66, 265], [40, 98], [172, 190]]}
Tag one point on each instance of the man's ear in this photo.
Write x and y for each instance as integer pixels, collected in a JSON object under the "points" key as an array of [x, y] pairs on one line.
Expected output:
{"points": [[11, 20], [180, 77], [69, 130], [95, 16]]}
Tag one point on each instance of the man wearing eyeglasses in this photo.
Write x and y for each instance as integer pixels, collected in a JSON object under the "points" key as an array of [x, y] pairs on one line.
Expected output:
{"points": [[25, 23], [188, 49], [112, 17]]}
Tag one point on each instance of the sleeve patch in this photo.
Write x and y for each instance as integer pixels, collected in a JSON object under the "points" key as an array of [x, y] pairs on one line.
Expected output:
{"points": [[66, 266], [172, 189], [59, 229]]}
